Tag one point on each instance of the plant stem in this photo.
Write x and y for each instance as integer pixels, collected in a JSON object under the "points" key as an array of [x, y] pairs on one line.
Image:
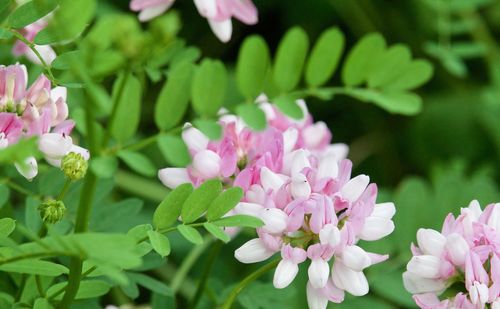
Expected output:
{"points": [[188, 262], [39, 286], [116, 102], [250, 278], [64, 190], [206, 273]]}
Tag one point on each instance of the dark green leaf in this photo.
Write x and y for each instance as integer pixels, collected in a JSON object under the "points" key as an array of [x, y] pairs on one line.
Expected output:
{"points": [[138, 162], [290, 58], [325, 57], [159, 242], [173, 100], [216, 231], [128, 111], [199, 201], [170, 208], [253, 64], [30, 12], [174, 150], [151, 284], [209, 87], [240, 221], [191, 234], [222, 204], [253, 116]]}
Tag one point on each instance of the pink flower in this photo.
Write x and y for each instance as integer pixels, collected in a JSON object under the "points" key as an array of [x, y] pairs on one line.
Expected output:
{"points": [[467, 251], [217, 12], [29, 32]]}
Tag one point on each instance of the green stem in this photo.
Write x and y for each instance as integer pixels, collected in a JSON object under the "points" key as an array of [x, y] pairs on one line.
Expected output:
{"points": [[116, 102], [188, 263], [14, 186], [206, 273], [64, 190], [249, 279], [39, 286]]}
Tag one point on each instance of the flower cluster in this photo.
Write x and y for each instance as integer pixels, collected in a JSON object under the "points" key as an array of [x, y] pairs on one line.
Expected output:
{"points": [[301, 188], [37, 111], [465, 254], [217, 12]]}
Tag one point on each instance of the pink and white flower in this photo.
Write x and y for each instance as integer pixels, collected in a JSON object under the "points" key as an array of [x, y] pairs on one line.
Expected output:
{"points": [[466, 251]]}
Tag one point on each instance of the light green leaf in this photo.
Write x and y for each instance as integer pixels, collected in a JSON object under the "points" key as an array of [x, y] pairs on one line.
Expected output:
{"points": [[7, 226], [174, 150], [362, 58], [173, 100], [63, 61], [104, 167], [389, 66], [209, 127], [415, 74], [30, 12], [138, 162], [191, 234], [209, 87], [5, 34], [170, 208], [19, 151], [240, 221], [128, 111], [216, 231], [253, 63], [35, 267], [42, 303], [290, 58], [223, 203], [68, 21], [253, 116], [140, 231], [289, 107], [151, 284], [325, 57], [398, 102], [199, 201], [159, 242], [88, 289]]}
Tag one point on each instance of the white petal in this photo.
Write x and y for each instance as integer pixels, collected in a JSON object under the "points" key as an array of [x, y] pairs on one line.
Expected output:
{"points": [[347, 279], [250, 209], [275, 220], [318, 272], [206, 164], [337, 151], [457, 248], [222, 29], [330, 235], [290, 137], [315, 298], [355, 258], [494, 219], [384, 210], [353, 189], [253, 251], [416, 285], [431, 242], [376, 228], [285, 273], [270, 180], [300, 161], [328, 167], [28, 169], [55, 145], [314, 134], [300, 186], [154, 11], [172, 177], [478, 294], [194, 139], [426, 266], [206, 8]]}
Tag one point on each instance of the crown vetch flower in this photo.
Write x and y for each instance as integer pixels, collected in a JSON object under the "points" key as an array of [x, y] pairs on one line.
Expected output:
{"points": [[466, 251], [29, 32], [217, 12], [39, 111]]}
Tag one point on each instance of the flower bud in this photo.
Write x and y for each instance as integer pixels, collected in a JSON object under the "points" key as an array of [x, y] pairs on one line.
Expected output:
{"points": [[350, 280], [206, 164], [74, 166], [431, 242], [355, 258], [353, 189], [52, 211], [253, 251], [426, 266]]}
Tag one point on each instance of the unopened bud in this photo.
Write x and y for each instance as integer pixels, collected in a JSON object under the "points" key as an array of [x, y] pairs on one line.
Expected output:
{"points": [[74, 166], [52, 211]]}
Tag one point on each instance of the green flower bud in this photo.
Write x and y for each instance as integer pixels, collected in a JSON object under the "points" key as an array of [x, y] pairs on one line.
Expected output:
{"points": [[52, 211], [74, 166]]}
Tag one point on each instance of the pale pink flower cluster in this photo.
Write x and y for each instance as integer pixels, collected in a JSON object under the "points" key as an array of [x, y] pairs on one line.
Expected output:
{"points": [[466, 252], [301, 188], [217, 12], [40, 111]]}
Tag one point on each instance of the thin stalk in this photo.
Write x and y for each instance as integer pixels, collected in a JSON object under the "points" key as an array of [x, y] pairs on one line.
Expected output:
{"points": [[39, 286], [249, 279], [64, 190], [206, 273], [116, 102], [14, 186]]}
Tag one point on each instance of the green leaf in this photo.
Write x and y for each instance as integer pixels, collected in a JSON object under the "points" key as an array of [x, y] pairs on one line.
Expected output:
{"points": [[140, 231], [173, 100], [170, 208], [362, 58], [87, 289], [174, 150], [138, 162], [398, 102], [42, 303], [389, 285], [240, 221], [191, 234], [209, 127], [68, 22], [4, 194], [7, 226], [216, 231], [209, 87], [128, 111], [253, 116], [63, 61], [30, 12], [415, 74], [325, 57], [253, 63], [19, 151], [35, 267], [151, 284], [290, 58], [5, 34], [199, 201], [223, 203], [391, 63], [289, 107], [159, 242], [104, 167]]}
